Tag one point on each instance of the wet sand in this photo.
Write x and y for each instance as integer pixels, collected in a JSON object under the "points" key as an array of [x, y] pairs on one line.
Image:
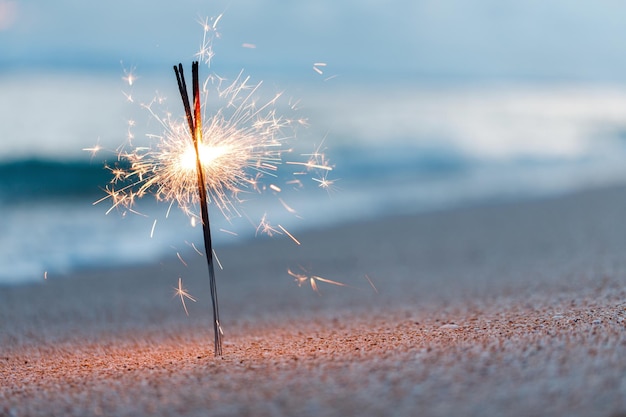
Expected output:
{"points": [[514, 309]]}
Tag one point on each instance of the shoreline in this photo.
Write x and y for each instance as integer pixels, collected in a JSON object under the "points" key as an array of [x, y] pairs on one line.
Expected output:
{"points": [[516, 308]]}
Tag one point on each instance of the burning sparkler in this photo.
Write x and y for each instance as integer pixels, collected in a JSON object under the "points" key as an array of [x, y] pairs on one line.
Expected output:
{"points": [[212, 159]]}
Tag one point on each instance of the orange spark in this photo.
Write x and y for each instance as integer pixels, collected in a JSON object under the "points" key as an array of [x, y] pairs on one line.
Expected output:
{"points": [[301, 279], [289, 234], [182, 293]]}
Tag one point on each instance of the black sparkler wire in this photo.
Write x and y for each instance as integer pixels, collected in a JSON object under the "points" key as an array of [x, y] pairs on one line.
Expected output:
{"points": [[204, 209], [195, 125], [182, 88]]}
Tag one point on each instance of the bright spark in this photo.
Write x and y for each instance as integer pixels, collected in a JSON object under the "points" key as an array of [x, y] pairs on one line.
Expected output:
{"points": [[93, 150], [317, 67], [266, 228], [129, 76], [182, 293], [312, 280], [180, 258], [219, 263], [287, 207], [371, 284], [289, 234], [152, 230], [325, 183]]}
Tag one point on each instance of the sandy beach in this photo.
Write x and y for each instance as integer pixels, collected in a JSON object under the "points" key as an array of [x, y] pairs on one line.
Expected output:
{"points": [[514, 309]]}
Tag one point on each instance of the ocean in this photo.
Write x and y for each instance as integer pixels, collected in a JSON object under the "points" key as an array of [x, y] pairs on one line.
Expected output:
{"points": [[396, 147]]}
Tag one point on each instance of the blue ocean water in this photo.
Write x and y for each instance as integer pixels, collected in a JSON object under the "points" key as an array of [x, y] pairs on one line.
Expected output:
{"points": [[395, 148]]}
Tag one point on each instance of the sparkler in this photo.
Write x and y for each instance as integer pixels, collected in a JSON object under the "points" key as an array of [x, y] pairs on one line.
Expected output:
{"points": [[195, 127], [204, 160]]}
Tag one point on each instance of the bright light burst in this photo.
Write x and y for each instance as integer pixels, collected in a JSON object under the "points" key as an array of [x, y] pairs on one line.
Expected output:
{"points": [[241, 143], [244, 145]]}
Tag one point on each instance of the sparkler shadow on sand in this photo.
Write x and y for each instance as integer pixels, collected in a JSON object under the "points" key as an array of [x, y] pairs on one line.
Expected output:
{"points": [[211, 160]]}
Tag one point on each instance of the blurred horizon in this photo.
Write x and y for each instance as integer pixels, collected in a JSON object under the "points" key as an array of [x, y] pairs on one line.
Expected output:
{"points": [[419, 105]]}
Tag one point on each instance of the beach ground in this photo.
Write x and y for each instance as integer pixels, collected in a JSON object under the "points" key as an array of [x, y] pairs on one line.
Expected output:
{"points": [[514, 309]]}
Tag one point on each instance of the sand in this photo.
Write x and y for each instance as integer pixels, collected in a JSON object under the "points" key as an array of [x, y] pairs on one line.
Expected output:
{"points": [[514, 309]]}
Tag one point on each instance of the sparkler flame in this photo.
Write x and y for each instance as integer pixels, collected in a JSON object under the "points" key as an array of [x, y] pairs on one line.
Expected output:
{"points": [[241, 143]]}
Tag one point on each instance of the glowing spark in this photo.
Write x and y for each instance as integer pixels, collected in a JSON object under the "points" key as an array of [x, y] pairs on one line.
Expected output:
{"points": [[45, 275], [230, 232], [248, 45], [217, 19], [196, 249], [129, 134], [219, 264], [317, 65], [152, 230], [311, 165], [182, 293], [94, 150], [312, 280], [118, 174], [295, 182], [371, 283], [289, 234], [129, 76], [266, 228], [325, 183], [274, 187], [181, 259], [287, 207]]}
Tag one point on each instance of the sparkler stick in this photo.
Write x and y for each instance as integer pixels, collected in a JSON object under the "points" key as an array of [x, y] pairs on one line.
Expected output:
{"points": [[195, 126]]}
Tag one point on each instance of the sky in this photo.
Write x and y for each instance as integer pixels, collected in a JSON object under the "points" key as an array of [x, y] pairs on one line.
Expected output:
{"points": [[458, 39]]}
